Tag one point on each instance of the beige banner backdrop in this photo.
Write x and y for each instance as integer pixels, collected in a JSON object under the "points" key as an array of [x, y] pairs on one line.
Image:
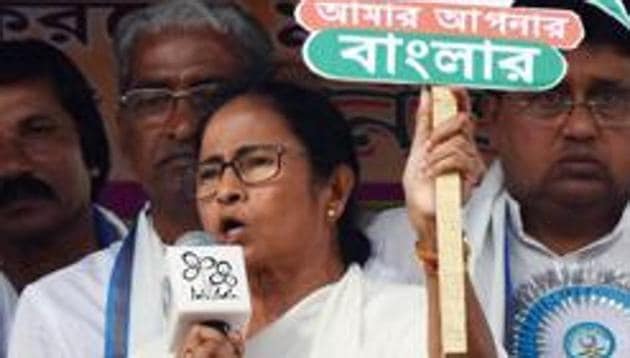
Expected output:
{"points": [[380, 115]]}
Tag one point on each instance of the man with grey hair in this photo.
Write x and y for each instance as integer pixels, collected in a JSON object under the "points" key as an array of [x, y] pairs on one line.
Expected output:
{"points": [[171, 58]]}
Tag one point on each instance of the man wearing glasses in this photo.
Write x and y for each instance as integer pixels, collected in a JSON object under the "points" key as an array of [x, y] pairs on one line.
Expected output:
{"points": [[549, 225], [171, 58]]}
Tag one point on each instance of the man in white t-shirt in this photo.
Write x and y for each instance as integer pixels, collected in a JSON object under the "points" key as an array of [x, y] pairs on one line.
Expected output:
{"points": [[171, 58], [549, 226]]}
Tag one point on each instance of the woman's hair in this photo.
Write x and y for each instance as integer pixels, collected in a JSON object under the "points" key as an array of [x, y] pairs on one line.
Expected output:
{"points": [[326, 135]]}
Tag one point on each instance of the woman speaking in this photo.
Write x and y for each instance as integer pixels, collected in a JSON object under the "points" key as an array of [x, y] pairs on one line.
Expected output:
{"points": [[277, 175]]}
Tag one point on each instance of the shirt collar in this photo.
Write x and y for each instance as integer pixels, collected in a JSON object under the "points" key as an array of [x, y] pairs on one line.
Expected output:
{"points": [[596, 246]]}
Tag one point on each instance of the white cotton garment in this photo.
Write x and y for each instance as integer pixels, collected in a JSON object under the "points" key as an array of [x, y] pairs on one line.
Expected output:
{"points": [[484, 223], [63, 314], [47, 307], [354, 317]]}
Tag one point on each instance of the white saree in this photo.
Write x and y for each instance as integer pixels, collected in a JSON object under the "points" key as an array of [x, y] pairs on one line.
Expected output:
{"points": [[354, 317]]}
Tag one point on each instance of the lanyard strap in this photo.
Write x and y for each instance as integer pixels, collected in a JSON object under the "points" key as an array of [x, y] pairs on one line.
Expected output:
{"points": [[509, 285], [118, 299], [106, 232]]}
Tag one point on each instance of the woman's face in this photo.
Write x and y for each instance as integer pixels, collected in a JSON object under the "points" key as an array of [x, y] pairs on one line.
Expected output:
{"points": [[275, 212]]}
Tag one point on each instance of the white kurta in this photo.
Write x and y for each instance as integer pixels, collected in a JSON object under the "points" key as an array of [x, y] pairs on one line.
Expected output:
{"points": [[28, 328], [63, 314], [354, 317], [485, 224], [8, 300]]}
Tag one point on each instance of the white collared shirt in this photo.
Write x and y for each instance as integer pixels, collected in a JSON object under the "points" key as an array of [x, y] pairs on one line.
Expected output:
{"points": [[393, 239], [9, 299], [63, 313], [529, 257]]}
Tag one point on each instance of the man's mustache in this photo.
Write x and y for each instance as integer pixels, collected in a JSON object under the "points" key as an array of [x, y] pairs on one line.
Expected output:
{"points": [[22, 187]]}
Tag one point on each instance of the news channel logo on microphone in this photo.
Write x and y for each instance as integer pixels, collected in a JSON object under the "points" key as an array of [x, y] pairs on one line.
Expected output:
{"points": [[204, 282]]}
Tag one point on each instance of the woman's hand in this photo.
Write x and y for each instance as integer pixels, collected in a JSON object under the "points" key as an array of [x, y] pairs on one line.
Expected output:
{"points": [[449, 147], [206, 342]]}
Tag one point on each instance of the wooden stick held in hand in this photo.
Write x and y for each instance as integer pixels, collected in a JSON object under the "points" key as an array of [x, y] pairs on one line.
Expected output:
{"points": [[451, 268]]}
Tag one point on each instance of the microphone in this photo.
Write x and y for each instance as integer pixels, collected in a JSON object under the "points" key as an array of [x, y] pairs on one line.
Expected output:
{"points": [[195, 238], [204, 283]]}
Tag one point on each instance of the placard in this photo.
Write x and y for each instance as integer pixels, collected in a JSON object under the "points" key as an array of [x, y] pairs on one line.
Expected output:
{"points": [[407, 42]]}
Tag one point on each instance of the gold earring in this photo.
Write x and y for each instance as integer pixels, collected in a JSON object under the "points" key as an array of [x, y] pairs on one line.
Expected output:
{"points": [[331, 213]]}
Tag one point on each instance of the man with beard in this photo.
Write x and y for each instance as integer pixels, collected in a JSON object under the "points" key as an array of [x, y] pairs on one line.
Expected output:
{"points": [[548, 227], [171, 58], [54, 159]]}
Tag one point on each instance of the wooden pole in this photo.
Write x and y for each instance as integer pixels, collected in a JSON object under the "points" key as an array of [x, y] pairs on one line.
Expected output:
{"points": [[451, 270]]}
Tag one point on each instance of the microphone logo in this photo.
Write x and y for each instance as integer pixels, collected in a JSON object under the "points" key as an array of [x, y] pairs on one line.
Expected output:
{"points": [[209, 278]]}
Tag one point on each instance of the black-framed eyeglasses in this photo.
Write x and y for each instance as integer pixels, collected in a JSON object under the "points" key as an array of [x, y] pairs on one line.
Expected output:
{"points": [[609, 107], [252, 165], [156, 103]]}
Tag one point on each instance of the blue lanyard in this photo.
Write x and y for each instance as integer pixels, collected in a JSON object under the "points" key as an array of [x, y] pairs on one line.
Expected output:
{"points": [[118, 299], [106, 232], [509, 286]]}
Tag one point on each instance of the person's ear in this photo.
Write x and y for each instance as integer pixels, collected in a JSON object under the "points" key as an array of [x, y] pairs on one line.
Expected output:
{"points": [[340, 186]]}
